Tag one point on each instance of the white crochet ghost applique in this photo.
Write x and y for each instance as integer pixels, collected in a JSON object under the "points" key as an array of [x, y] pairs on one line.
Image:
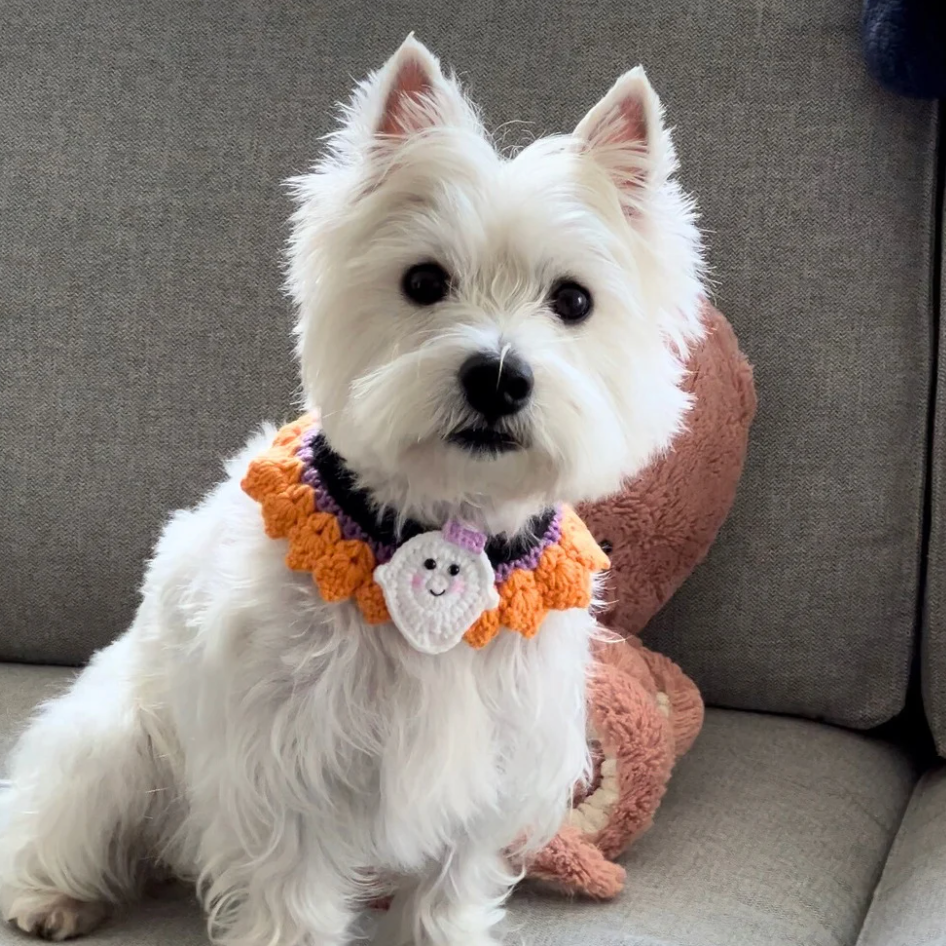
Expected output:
{"points": [[437, 585]]}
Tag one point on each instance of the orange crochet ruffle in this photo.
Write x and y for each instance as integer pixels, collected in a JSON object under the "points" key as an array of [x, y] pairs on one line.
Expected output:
{"points": [[343, 569]]}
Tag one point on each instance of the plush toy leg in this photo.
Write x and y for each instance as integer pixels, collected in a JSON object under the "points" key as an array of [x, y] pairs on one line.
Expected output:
{"points": [[682, 701], [572, 864]]}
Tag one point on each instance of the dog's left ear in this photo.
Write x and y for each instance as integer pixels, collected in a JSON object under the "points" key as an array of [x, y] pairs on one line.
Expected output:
{"points": [[624, 133]]}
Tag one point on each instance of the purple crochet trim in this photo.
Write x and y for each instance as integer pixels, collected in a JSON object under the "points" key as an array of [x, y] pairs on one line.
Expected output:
{"points": [[531, 561], [324, 502]]}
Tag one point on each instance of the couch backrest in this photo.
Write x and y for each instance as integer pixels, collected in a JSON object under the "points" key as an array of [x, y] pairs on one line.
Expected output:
{"points": [[818, 192], [144, 333]]}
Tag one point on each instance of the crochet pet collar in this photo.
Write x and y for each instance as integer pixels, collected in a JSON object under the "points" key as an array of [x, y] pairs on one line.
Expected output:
{"points": [[436, 585]]}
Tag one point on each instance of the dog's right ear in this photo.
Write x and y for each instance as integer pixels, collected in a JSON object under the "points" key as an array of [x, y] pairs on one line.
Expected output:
{"points": [[406, 97], [411, 92]]}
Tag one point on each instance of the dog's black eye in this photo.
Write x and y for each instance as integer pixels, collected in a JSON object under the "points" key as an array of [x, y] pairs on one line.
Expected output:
{"points": [[426, 284], [430, 564], [571, 302], [606, 546], [454, 570]]}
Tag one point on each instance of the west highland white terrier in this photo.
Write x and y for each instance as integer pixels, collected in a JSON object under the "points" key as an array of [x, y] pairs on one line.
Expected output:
{"points": [[361, 659]]}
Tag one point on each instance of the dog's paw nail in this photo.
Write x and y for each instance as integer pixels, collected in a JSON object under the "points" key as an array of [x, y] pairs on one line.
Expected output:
{"points": [[59, 919]]}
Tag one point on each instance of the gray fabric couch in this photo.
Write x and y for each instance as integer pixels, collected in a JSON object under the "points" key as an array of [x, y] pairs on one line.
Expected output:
{"points": [[143, 334]]}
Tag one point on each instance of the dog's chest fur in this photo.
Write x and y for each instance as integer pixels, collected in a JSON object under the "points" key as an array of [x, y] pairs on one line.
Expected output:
{"points": [[334, 725]]}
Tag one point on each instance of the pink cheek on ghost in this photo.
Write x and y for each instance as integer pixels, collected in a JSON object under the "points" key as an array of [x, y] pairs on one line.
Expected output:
{"points": [[457, 586], [417, 581]]}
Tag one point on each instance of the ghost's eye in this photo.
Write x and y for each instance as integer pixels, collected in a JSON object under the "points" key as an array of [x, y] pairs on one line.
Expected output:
{"points": [[454, 569], [430, 564]]}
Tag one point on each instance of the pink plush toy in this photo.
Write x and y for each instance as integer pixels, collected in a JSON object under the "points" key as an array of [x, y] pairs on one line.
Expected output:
{"points": [[660, 527], [644, 712]]}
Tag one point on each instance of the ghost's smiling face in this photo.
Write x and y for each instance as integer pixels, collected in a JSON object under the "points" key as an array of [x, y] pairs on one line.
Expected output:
{"points": [[435, 590], [440, 578]]}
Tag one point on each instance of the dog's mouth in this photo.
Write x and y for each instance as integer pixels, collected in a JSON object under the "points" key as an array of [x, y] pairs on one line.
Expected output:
{"points": [[484, 440], [437, 594]]}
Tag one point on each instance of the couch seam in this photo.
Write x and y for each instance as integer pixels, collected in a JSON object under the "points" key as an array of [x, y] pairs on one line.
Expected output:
{"points": [[935, 423], [863, 926]]}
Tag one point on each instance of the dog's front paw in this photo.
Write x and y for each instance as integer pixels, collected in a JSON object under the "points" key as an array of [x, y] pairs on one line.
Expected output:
{"points": [[54, 916], [477, 939], [401, 930]]}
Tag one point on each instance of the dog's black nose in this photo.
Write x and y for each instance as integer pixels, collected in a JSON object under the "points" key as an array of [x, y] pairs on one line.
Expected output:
{"points": [[496, 386]]}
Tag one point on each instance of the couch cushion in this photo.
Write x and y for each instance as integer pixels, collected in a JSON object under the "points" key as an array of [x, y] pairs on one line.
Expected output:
{"points": [[909, 907], [773, 833], [21, 690], [934, 625], [144, 333]]}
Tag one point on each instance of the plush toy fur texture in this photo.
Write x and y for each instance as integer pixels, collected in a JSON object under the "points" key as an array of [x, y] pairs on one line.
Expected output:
{"points": [[662, 524], [644, 712]]}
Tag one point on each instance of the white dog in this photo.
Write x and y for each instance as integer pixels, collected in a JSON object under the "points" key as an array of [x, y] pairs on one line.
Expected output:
{"points": [[486, 337]]}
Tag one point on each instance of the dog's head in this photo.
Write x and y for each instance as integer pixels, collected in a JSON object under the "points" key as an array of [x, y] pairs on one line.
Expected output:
{"points": [[487, 331]]}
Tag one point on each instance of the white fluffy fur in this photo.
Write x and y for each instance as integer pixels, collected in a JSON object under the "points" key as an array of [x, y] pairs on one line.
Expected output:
{"points": [[248, 735]]}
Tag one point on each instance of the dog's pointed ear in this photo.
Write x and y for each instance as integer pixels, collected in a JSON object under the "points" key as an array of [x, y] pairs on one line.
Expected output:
{"points": [[412, 88], [407, 96], [624, 133], [410, 94]]}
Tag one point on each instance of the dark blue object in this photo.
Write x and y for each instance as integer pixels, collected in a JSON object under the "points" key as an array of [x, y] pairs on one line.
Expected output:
{"points": [[905, 45]]}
